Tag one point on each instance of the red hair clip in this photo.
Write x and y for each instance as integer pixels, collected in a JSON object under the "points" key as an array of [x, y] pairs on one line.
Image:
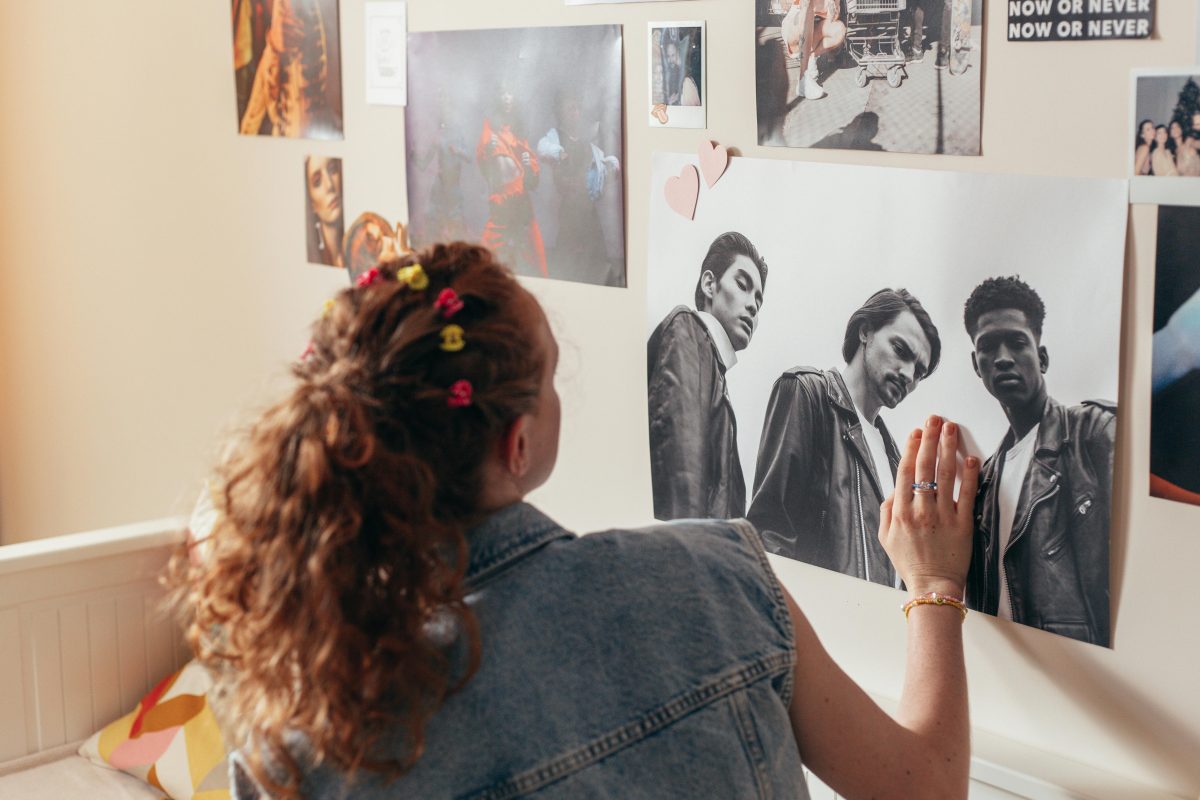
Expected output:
{"points": [[369, 277], [448, 302], [460, 394]]}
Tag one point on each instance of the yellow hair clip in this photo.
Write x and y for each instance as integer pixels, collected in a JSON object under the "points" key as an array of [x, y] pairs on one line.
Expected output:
{"points": [[414, 276], [452, 339], [327, 309]]}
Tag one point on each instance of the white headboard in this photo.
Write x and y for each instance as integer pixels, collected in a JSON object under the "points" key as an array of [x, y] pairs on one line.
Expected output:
{"points": [[82, 637]]}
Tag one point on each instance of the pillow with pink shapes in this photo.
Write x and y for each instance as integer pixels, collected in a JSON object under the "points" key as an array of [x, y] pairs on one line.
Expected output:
{"points": [[171, 740]]}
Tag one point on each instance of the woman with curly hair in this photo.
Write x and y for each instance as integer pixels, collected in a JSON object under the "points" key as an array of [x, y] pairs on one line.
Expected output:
{"points": [[290, 95], [386, 617]]}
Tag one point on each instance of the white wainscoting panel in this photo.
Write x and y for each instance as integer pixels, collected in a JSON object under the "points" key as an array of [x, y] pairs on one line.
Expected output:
{"points": [[82, 634]]}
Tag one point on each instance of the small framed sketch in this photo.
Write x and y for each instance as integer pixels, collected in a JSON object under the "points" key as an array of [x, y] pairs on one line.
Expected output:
{"points": [[387, 32], [676, 72]]}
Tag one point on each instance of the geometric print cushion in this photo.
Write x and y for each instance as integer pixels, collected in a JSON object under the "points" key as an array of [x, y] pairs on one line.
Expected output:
{"points": [[171, 740]]}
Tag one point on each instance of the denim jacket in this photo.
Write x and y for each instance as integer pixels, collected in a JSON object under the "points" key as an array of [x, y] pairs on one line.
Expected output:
{"points": [[635, 664]]}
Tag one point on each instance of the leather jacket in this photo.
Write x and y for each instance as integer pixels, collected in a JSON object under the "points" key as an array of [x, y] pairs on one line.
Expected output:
{"points": [[1056, 562], [694, 466], [816, 495]]}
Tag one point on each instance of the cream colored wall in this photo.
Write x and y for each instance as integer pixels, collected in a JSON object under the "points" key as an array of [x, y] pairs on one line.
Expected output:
{"points": [[153, 285]]}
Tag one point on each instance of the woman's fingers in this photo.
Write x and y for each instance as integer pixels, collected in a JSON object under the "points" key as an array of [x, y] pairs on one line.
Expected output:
{"points": [[906, 472], [966, 494], [928, 453], [946, 468], [885, 519]]}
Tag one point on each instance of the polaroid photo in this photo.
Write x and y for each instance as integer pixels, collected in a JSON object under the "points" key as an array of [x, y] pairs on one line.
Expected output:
{"points": [[675, 72], [1164, 154]]}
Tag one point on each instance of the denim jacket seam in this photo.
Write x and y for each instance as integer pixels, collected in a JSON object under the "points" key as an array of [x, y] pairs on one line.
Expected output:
{"points": [[651, 722], [513, 551], [780, 614], [751, 742]]}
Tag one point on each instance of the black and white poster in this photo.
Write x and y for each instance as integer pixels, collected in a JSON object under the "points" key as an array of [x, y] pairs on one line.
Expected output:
{"points": [[1174, 422], [1060, 20], [514, 140], [812, 315], [896, 75]]}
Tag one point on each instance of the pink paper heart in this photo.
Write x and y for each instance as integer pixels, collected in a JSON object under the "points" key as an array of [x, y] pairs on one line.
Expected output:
{"points": [[714, 158], [683, 192]]}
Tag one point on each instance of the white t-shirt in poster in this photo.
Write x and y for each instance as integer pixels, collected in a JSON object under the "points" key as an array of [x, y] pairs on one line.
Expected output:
{"points": [[883, 465], [879, 455], [1012, 480]]}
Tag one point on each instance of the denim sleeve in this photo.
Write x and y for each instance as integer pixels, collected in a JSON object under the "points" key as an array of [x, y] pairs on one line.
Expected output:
{"points": [[241, 785]]}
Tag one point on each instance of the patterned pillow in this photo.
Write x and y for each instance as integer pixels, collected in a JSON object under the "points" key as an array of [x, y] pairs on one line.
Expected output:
{"points": [[171, 740]]}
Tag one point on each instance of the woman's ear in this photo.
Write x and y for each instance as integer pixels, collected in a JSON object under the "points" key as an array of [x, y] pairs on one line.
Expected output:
{"points": [[514, 447]]}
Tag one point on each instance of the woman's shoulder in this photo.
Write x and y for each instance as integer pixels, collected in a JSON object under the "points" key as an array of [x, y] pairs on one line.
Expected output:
{"points": [[722, 560]]}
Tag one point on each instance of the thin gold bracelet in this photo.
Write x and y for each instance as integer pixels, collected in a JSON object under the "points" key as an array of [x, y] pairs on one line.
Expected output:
{"points": [[935, 599]]}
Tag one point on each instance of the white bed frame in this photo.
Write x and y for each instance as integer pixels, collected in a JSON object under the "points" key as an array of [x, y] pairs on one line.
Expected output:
{"points": [[83, 637]]}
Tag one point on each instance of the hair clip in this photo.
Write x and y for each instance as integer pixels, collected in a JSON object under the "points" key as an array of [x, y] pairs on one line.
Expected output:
{"points": [[452, 339], [414, 276], [327, 309], [369, 277], [448, 302], [460, 394]]}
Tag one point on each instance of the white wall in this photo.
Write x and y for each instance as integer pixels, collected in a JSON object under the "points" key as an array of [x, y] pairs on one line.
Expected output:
{"points": [[152, 284]]}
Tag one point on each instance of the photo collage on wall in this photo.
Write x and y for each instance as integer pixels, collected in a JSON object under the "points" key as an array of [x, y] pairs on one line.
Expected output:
{"points": [[504, 147], [781, 377]]}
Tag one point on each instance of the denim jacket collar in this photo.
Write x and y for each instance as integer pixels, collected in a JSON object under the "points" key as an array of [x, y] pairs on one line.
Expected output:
{"points": [[507, 536]]}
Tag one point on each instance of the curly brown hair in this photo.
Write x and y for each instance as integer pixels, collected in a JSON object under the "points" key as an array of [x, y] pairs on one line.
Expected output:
{"points": [[337, 564]]}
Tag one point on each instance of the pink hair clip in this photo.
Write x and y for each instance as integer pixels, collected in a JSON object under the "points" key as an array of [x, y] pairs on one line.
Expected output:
{"points": [[460, 394], [369, 277], [448, 302]]}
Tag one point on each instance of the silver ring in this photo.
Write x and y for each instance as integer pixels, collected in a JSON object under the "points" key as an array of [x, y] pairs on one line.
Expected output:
{"points": [[925, 487]]}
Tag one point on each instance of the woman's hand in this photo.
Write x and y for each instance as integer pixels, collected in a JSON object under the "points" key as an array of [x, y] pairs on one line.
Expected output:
{"points": [[928, 534]]}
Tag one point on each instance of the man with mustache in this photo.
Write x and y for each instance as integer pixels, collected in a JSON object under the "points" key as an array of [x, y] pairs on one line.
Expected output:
{"points": [[826, 460], [694, 466], [1042, 513]]}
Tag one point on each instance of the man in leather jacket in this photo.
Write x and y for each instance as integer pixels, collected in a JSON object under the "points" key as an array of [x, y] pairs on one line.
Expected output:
{"points": [[826, 460], [694, 465], [1040, 554]]}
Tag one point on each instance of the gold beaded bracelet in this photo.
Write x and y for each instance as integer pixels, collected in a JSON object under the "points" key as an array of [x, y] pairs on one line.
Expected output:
{"points": [[935, 599]]}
